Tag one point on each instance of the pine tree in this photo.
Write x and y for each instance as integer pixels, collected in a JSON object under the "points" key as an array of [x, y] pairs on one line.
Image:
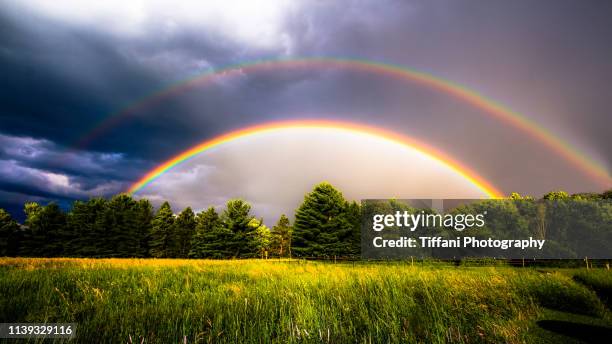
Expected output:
{"points": [[235, 219], [122, 239], [44, 236], [281, 237], [86, 221], [184, 227], [33, 239], [143, 222], [324, 224], [162, 232], [211, 238], [9, 235], [352, 237]]}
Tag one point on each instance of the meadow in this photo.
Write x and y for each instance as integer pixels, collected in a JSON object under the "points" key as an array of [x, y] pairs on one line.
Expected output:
{"points": [[273, 301]]}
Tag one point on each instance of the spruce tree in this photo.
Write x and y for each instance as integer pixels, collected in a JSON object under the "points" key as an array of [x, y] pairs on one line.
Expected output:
{"points": [[162, 232], [235, 219], [211, 238], [324, 224], [86, 220], [9, 235], [122, 239], [33, 238], [352, 237], [44, 236], [184, 228], [143, 222]]}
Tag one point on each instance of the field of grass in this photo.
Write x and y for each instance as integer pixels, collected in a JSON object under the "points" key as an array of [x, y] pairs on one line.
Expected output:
{"points": [[254, 301]]}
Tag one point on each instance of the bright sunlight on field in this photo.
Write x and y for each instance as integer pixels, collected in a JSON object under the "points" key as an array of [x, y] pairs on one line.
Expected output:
{"points": [[256, 301]]}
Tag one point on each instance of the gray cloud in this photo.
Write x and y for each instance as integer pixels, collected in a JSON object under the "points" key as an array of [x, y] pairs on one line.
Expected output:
{"points": [[34, 169], [67, 66]]}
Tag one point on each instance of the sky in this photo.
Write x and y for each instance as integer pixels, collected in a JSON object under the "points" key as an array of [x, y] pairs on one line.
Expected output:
{"points": [[66, 66], [274, 170]]}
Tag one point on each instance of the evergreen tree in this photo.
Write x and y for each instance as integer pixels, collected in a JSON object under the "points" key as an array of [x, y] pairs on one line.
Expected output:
{"points": [[162, 232], [44, 236], [32, 237], [281, 237], [144, 218], [9, 235], [87, 222], [185, 225], [324, 224], [352, 237], [122, 238], [235, 219], [211, 237]]}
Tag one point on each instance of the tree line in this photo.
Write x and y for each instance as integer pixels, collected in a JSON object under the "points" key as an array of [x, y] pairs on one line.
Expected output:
{"points": [[325, 224], [573, 226]]}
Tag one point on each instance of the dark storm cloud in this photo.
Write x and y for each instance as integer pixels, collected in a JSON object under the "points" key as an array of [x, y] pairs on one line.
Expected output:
{"points": [[61, 76], [45, 155], [60, 80], [39, 170], [56, 81]]}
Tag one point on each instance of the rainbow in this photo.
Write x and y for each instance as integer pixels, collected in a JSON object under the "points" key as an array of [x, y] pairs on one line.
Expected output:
{"points": [[586, 164], [455, 166]]}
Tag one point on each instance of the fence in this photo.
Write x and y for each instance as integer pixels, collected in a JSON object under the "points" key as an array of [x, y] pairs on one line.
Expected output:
{"points": [[524, 262]]}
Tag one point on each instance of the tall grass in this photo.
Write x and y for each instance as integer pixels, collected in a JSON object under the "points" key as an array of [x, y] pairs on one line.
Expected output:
{"points": [[598, 280], [254, 301]]}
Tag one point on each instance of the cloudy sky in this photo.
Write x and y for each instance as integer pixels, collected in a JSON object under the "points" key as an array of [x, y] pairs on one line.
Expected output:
{"points": [[65, 66]]}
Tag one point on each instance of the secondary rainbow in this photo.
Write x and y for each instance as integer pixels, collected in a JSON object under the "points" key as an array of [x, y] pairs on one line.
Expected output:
{"points": [[437, 155], [491, 107]]}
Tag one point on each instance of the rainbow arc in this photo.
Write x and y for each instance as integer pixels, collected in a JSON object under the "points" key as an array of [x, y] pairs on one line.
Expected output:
{"points": [[431, 152], [517, 120]]}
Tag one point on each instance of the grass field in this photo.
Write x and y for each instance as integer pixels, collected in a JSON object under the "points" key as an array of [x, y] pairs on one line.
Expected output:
{"points": [[254, 301]]}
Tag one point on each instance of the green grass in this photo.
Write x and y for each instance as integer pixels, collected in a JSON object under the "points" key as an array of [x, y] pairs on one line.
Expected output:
{"points": [[598, 280], [571, 328], [254, 301]]}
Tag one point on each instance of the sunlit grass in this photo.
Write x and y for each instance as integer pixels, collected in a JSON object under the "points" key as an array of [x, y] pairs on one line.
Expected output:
{"points": [[257, 301]]}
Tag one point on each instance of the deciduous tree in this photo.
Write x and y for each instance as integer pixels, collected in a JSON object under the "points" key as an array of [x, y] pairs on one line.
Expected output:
{"points": [[281, 237]]}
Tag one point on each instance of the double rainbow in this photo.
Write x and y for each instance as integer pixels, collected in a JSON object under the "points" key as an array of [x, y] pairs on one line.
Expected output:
{"points": [[586, 164]]}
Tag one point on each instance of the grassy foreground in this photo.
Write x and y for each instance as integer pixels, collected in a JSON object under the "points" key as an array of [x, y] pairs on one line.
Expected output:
{"points": [[254, 301]]}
